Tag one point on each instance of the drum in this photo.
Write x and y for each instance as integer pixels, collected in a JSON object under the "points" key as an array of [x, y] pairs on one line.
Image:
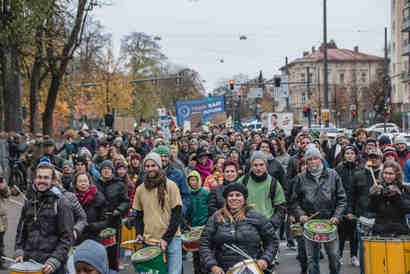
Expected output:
{"points": [[386, 255], [128, 239], [320, 231], [149, 260], [107, 237], [190, 239], [248, 265], [26, 267], [296, 230], [70, 267]]}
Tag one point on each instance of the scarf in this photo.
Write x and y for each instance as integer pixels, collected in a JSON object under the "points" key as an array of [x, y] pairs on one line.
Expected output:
{"points": [[160, 182], [316, 172], [259, 179], [88, 196], [205, 171]]}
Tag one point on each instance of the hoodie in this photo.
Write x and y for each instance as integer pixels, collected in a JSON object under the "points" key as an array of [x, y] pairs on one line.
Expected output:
{"points": [[197, 213], [94, 254]]}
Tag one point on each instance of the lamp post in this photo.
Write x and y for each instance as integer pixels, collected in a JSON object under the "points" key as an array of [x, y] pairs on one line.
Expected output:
{"points": [[325, 61]]}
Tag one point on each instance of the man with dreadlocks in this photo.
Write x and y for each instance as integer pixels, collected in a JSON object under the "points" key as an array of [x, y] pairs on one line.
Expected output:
{"points": [[157, 212]]}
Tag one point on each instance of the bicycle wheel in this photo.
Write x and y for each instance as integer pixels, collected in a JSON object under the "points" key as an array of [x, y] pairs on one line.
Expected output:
{"points": [[17, 179]]}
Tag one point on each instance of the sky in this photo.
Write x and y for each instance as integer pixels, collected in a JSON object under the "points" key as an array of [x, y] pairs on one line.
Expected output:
{"points": [[199, 33]]}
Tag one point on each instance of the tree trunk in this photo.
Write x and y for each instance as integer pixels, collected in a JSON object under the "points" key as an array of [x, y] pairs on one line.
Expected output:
{"points": [[12, 90], [48, 114], [34, 87]]}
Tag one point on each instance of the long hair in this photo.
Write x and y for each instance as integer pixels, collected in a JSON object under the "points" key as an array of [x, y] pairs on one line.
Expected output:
{"points": [[397, 170], [224, 213]]}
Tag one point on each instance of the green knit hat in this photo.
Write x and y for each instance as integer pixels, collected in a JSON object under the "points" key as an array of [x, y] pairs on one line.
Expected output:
{"points": [[161, 150], [234, 149]]}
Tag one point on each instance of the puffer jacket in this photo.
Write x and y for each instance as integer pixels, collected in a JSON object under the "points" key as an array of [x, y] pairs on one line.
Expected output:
{"points": [[293, 165], [247, 235], [359, 202], [327, 196], [197, 213], [45, 229], [96, 218], [346, 171], [390, 213], [216, 199]]}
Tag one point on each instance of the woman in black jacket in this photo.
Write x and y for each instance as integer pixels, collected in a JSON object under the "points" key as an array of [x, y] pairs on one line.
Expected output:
{"points": [[237, 223], [390, 201], [93, 203]]}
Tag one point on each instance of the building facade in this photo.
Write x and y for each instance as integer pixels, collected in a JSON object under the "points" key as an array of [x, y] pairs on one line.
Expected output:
{"points": [[349, 71]]}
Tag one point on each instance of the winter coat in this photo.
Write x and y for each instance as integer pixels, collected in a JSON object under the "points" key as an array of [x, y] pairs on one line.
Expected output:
{"points": [[359, 197], [276, 170], [346, 172], [67, 181], [4, 194], [197, 213], [114, 193], [327, 196], [390, 213], [45, 228], [403, 157], [216, 199], [247, 235], [90, 143], [177, 176], [96, 217], [293, 165]]}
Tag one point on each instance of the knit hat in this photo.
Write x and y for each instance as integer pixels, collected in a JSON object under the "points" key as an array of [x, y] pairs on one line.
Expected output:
{"points": [[107, 163], [202, 152], [312, 152], [203, 143], [259, 155], [94, 254], [234, 149], [236, 187], [349, 147], [390, 151], [158, 141], [371, 140], [118, 139], [154, 157], [384, 140], [162, 150], [399, 140], [194, 140], [136, 156], [376, 152], [67, 164]]}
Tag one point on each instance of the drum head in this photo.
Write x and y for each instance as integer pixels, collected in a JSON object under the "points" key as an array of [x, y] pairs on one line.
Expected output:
{"points": [[192, 236], [26, 267], [320, 226], [108, 232], [146, 254]]}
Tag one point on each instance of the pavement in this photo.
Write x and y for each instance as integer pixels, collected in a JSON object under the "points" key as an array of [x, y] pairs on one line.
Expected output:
{"points": [[288, 262]]}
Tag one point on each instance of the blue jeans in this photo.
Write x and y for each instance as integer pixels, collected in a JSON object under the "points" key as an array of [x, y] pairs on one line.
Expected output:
{"points": [[174, 256], [313, 256]]}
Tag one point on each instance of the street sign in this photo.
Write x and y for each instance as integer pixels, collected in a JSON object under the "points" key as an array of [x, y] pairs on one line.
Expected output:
{"points": [[283, 90], [255, 93], [325, 114], [352, 107]]}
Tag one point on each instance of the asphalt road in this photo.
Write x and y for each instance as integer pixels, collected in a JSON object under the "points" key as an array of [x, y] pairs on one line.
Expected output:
{"points": [[288, 262]]}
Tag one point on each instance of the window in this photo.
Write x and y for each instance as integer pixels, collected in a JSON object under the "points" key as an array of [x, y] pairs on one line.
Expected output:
{"points": [[311, 77], [302, 77], [342, 78], [364, 77]]}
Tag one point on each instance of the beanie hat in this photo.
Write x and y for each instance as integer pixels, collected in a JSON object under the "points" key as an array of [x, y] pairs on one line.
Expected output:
{"points": [[194, 140], [68, 164], [154, 157], [162, 150], [107, 163], [371, 140], [259, 155], [390, 151], [158, 141], [399, 140], [384, 140], [312, 152], [349, 147], [376, 152], [203, 144], [118, 139], [94, 254], [236, 187], [136, 156], [234, 149]]}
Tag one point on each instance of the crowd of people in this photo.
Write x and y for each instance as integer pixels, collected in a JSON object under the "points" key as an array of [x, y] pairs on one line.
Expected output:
{"points": [[246, 188]]}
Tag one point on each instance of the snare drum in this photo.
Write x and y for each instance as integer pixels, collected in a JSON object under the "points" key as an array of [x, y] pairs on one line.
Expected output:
{"points": [[296, 230], [386, 255], [241, 266], [107, 237], [26, 267], [149, 260], [320, 231], [128, 239], [190, 239]]}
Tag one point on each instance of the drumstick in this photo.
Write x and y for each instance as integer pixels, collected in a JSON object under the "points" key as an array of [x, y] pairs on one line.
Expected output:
{"points": [[164, 256], [313, 216], [8, 259], [373, 177], [238, 251]]}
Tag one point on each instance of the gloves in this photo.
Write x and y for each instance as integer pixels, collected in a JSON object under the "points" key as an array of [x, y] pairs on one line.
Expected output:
{"points": [[116, 213], [130, 222], [376, 190]]}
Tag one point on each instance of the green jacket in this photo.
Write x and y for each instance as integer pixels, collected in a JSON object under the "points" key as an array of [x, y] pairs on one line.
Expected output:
{"points": [[197, 213]]}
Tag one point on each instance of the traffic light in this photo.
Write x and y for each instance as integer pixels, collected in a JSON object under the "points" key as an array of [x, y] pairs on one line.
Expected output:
{"points": [[231, 84], [250, 107], [305, 111], [388, 111], [239, 94], [354, 113], [277, 81]]}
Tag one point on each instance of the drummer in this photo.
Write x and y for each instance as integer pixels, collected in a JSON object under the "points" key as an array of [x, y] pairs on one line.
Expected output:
{"points": [[319, 189], [390, 201], [237, 223]]}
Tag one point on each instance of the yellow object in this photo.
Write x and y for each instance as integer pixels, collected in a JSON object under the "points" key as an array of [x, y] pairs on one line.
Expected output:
{"points": [[128, 235], [386, 255]]}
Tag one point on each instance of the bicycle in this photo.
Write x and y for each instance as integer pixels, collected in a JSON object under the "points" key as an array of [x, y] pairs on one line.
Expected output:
{"points": [[17, 177]]}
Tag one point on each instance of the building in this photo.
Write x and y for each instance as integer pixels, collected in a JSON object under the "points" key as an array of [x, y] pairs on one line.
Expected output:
{"points": [[399, 54], [349, 71]]}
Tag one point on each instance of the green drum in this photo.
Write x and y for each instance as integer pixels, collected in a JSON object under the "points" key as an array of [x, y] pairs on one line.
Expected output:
{"points": [[149, 260], [320, 231]]}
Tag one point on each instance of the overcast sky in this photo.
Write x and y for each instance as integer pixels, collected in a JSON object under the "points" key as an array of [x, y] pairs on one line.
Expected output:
{"points": [[198, 33]]}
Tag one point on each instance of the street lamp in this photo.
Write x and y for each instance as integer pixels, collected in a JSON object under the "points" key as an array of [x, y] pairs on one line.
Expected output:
{"points": [[325, 61]]}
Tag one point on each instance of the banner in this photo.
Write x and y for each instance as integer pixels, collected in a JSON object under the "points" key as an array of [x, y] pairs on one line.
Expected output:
{"points": [[283, 120], [184, 109]]}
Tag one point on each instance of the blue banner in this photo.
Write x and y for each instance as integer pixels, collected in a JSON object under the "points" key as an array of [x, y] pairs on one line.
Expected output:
{"points": [[208, 107]]}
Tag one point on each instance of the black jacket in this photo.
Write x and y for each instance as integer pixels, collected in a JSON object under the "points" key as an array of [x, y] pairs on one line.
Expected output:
{"points": [[327, 196], [293, 165], [216, 199], [96, 217], [390, 213], [90, 143], [45, 228], [247, 235], [359, 202], [346, 172], [114, 193]]}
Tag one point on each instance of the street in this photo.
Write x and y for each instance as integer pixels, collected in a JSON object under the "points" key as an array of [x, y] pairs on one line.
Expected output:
{"points": [[288, 262]]}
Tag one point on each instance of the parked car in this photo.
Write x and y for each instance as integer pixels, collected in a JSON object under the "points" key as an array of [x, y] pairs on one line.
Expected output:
{"points": [[390, 128]]}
